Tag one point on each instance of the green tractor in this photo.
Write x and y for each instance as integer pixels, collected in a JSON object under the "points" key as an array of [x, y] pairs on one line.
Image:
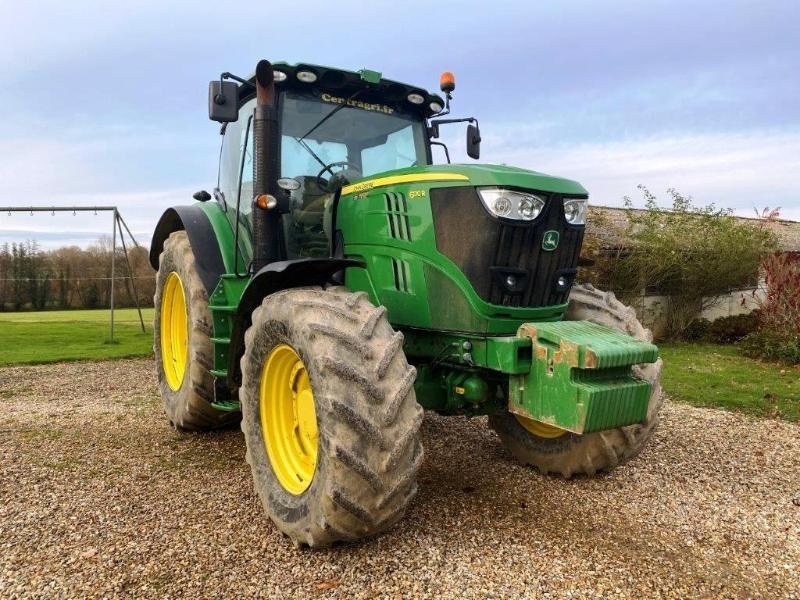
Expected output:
{"points": [[338, 282]]}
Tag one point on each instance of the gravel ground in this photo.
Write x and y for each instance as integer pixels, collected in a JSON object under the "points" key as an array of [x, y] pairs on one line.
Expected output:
{"points": [[100, 497]]}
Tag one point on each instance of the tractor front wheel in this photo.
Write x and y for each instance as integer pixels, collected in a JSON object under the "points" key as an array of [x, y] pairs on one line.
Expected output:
{"points": [[554, 450], [329, 415], [182, 340]]}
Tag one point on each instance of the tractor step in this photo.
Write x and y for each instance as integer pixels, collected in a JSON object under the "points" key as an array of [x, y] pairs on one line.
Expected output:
{"points": [[222, 309], [580, 377], [223, 304], [227, 406]]}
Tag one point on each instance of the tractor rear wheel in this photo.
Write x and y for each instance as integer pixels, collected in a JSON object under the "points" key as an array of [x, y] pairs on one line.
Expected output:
{"points": [[329, 415], [182, 340], [554, 450]]}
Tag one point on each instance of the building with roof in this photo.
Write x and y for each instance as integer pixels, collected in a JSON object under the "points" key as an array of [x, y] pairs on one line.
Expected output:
{"points": [[609, 222]]}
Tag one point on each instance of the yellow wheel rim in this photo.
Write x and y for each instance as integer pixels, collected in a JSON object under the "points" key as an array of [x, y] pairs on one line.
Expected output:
{"points": [[288, 419], [174, 331], [539, 429]]}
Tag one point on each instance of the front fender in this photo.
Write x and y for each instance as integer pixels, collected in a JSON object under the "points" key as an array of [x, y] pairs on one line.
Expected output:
{"points": [[203, 238], [276, 276], [284, 274]]}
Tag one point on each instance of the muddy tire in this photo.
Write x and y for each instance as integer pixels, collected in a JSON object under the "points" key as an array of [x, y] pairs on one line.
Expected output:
{"points": [[187, 401], [572, 454], [368, 446]]}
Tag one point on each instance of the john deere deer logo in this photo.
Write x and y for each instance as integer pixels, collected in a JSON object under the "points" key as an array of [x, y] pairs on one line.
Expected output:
{"points": [[550, 240]]}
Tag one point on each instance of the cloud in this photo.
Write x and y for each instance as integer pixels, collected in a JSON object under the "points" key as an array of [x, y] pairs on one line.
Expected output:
{"points": [[83, 172], [740, 171]]}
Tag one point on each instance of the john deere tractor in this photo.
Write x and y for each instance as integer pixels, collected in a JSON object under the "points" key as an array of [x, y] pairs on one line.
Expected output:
{"points": [[337, 282]]}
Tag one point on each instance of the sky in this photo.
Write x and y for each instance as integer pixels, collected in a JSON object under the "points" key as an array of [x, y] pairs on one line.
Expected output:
{"points": [[105, 103]]}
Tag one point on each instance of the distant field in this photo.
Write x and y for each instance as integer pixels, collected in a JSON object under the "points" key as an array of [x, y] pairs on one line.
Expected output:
{"points": [[52, 336]]}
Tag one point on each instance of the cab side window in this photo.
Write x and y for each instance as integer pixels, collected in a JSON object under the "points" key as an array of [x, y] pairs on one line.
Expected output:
{"points": [[235, 140], [237, 146], [246, 145]]}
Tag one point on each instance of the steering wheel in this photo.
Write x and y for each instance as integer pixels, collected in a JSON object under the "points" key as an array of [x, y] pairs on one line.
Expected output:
{"points": [[350, 171]]}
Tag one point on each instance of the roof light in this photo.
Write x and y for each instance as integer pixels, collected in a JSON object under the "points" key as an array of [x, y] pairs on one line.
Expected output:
{"points": [[307, 76], [447, 82], [415, 98], [278, 76], [436, 107]]}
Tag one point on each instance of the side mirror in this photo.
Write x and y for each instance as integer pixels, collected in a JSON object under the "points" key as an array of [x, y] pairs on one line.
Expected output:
{"points": [[223, 101], [202, 196], [473, 141]]}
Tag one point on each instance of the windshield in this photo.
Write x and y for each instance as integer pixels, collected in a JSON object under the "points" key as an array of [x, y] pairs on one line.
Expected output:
{"points": [[368, 137]]}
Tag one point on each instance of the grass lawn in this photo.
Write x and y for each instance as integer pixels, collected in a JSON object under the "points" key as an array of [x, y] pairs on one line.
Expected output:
{"points": [[718, 376], [51, 336]]}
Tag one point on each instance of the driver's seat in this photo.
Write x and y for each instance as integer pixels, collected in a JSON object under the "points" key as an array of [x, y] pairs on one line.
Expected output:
{"points": [[308, 201]]}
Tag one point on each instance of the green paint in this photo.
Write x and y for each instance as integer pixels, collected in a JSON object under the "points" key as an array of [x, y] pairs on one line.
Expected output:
{"points": [[451, 390], [471, 342], [503, 354], [223, 303], [435, 293], [370, 76], [581, 377], [223, 230], [227, 406], [490, 176]]}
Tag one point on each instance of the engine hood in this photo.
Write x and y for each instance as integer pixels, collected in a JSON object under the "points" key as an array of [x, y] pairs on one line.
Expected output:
{"points": [[475, 175]]}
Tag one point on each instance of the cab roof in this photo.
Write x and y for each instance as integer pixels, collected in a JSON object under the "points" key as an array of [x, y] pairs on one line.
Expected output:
{"points": [[364, 85]]}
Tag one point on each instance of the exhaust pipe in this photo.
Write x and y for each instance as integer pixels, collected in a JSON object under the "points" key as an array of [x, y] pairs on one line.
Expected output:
{"points": [[267, 224]]}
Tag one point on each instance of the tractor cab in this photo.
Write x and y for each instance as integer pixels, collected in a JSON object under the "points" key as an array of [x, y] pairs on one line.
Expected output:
{"points": [[334, 127]]}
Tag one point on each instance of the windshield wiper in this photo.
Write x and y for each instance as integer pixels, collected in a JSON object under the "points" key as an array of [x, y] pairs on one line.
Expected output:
{"points": [[305, 145], [328, 116]]}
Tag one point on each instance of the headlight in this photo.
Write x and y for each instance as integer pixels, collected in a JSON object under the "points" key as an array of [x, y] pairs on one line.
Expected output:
{"points": [[511, 204], [575, 211]]}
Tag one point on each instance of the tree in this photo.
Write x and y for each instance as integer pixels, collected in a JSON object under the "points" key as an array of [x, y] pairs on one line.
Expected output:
{"points": [[71, 277], [5, 275], [691, 255]]}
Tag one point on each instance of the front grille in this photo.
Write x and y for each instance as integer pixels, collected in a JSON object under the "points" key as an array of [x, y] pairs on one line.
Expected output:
{"points": [[492, 253]]}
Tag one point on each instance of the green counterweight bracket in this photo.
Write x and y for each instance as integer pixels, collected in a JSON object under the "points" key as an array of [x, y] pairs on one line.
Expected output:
{"points": [[580, 378]]}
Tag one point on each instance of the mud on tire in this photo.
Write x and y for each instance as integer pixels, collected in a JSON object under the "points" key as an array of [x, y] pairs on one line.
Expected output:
{"points": [[368, 419], [189, 407], [571, 454]]}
